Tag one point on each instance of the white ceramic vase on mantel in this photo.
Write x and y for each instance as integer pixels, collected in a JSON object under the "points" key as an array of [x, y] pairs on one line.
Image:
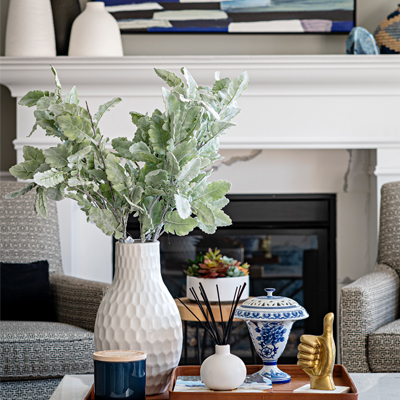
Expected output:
{"points": [[30, 29], [139, 313], [95, 33]]}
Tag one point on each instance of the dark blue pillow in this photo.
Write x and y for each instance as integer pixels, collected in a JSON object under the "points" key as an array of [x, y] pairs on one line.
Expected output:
{"points": [[25, 292]]}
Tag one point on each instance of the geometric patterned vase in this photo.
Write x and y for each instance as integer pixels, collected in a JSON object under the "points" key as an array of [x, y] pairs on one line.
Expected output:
{"points": [[139, 313], [387, 34]]}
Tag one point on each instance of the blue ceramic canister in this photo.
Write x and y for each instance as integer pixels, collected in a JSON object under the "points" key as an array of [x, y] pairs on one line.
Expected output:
{"points": [[119, 374]]}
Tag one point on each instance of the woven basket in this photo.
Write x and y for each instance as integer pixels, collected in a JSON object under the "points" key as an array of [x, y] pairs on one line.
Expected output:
{"points": [[387, 34]]}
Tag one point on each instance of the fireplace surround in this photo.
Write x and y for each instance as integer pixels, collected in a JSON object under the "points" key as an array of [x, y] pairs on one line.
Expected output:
{"points": [[300, 111]]}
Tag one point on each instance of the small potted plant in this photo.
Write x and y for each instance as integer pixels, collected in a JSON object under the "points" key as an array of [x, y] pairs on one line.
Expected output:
{"points": [[212, 269]]}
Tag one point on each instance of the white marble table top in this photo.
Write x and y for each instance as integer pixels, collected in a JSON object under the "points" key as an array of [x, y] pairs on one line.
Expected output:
{"points": [[370, 387]]}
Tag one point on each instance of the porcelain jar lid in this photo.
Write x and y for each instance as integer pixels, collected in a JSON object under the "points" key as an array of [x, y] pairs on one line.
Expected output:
{"points": [[270, 308]]}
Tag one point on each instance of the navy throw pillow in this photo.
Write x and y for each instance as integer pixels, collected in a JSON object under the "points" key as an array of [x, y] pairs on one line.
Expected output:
{"points": [[25, 292]]}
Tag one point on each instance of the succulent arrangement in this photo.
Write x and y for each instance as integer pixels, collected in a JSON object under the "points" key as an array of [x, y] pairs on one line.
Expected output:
{"points": [[214, 265], [160, 174]]}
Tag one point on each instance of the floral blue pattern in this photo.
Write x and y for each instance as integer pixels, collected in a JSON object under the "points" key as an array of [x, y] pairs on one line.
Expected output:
{"points": [[255, 315], [268, 337]]}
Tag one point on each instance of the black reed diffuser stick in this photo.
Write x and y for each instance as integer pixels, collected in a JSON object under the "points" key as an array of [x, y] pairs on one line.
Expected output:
{"points": [[210, 324]]}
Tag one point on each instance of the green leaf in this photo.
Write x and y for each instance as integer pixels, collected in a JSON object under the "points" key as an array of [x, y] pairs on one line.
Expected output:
{"points": [[136, 117], [41, 203], [98, 174], [140, 152], [31, 98], [219, 127], [72, 97], [121, 145], [45, 102], [105, 220], [56, 193], [184, 149], [24, 170], [57, 157], [191, 83], [57, 81], [136, 194], [204, 213], [105, 107], [220, 203], [207, 229], [221, 84], [32, 153], [182, 206], [161, 140], [49, 178], [169, 77], [48, 125], [236, 88], [20, 192], [229, 113], [221, 219], [134, 207], [156, 178], [116, 173], [34, 127], [79, 155], [176, 225], [75, 128], [214, 191], [173, 165], [189, 170], [192, 119]]}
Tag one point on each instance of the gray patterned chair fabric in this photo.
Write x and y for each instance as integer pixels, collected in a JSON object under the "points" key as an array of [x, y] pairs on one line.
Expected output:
{"points": [[33, 354], [369, 307]]}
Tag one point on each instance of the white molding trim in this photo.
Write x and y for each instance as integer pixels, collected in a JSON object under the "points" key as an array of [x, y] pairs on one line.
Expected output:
{"points": [[325, 75]]}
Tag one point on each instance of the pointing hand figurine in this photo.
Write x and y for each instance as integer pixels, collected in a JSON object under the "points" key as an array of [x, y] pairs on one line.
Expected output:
{"points": [[317, 356]]}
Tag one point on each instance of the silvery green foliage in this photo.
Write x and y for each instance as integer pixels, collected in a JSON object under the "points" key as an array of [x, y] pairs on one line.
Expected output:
{"points": [[160, 175]]}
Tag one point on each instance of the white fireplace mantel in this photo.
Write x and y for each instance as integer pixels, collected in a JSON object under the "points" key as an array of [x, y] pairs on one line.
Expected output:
{"points": [[292, 102]]}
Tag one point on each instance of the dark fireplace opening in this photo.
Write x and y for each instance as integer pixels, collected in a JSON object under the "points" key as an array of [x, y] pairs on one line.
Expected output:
{"points": [[289, 241]]}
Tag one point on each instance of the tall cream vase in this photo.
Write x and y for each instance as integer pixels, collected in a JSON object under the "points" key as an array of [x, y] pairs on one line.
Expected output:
{"points": [[139, 313], [30, 29]]}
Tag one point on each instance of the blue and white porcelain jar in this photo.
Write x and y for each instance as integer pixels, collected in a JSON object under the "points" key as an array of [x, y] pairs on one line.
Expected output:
{"points": [[270, 319]]}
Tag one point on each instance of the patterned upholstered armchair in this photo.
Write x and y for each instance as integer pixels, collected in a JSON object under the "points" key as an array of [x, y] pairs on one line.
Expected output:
{"points": [[35, 355], [369, 307]]}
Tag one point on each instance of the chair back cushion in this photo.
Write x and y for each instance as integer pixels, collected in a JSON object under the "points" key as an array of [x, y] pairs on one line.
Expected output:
{"points": [[389, 232], [24, 236], [25, 292]]}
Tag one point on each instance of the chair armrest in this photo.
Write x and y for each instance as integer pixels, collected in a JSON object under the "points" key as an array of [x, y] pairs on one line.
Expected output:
{"points": [[365, 305], [76, 300]]}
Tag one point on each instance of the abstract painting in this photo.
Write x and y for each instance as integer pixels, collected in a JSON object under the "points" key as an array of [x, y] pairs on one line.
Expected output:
{"points": [[233, 16]]}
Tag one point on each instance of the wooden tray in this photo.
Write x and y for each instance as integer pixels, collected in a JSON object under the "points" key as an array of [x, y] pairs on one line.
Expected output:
{"points": [[90, 395], [279, 392]]}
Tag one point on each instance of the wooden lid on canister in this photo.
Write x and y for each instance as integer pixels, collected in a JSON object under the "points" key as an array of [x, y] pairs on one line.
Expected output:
{"points": [[119, 355]]}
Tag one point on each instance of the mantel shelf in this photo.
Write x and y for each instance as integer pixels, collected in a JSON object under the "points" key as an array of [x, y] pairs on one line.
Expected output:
{"points": [[292, 102]]}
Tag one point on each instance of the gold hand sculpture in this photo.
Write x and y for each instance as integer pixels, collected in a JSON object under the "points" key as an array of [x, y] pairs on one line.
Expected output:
{"points": [[317, 356]]}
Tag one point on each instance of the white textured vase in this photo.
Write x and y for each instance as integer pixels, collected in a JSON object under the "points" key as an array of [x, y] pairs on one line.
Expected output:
{"points": [[95, 33], [139, 313], [223, 370], [30, 29]]}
